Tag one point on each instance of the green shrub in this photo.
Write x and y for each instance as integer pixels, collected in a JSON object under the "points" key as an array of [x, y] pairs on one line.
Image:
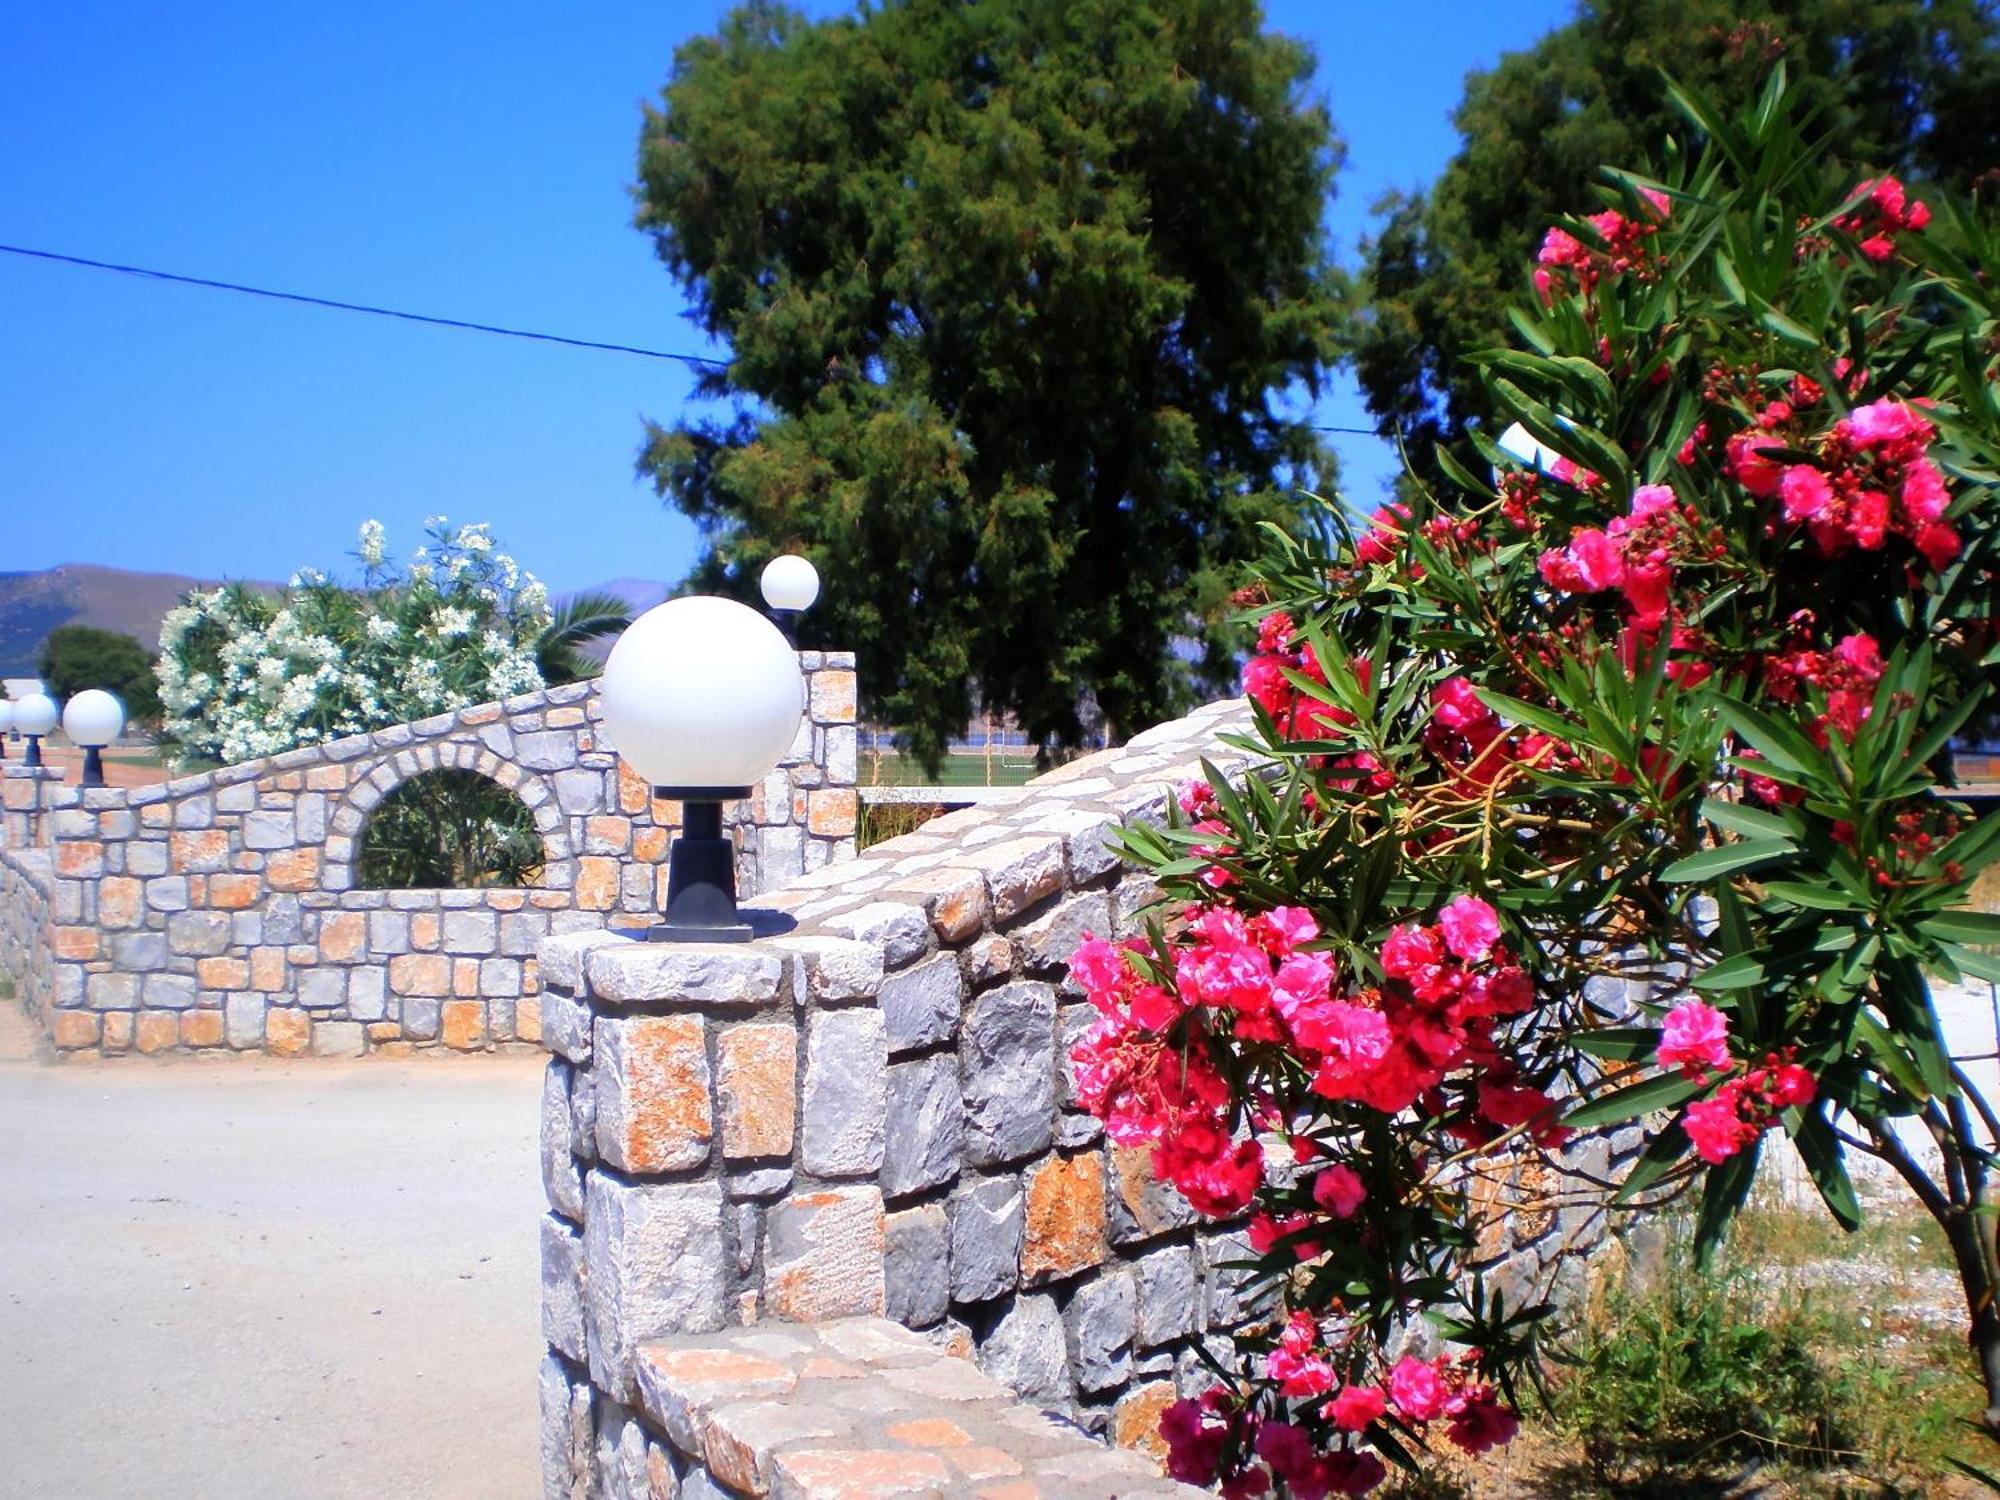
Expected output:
{"points": [[451, 830]]}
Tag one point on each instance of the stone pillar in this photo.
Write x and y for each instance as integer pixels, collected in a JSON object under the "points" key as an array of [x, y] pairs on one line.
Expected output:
{"points": [[26, 792]]}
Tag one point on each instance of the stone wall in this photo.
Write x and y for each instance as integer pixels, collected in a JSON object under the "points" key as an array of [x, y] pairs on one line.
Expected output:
{"points": [[871, 1115], [25, 956], [224, 910]]}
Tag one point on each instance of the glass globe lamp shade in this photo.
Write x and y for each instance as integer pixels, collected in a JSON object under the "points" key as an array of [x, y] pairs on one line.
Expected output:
{"points": [[702, 694], [789, 582], [35, 714], [6, 714], [93, 718]]}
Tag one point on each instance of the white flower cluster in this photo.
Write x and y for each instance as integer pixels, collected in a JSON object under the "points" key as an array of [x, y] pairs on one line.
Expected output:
{"points": [[243, 674]]}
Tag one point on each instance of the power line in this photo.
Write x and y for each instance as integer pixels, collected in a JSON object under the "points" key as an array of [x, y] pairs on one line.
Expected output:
{"points": [[409, 317], [359, 307]]}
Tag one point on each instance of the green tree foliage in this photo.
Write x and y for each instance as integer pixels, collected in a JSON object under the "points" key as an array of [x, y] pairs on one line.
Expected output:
{"points": [[450, 830], [1013, 290], [76, 657], [1912, 86]]}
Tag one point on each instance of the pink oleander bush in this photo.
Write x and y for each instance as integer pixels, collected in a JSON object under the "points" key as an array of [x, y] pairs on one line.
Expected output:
{"points": [[1662, 691]]}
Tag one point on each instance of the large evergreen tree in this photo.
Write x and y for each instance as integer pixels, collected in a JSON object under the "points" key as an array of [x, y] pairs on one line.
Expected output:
{"points": [[1908, 85], [1015, 292]]}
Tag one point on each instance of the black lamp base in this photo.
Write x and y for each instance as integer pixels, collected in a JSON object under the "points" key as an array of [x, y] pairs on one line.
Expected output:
{"points": [[701, 874], [34, 757], [93, 767]]}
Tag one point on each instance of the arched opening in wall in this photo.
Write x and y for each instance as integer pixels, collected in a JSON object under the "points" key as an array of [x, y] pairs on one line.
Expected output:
{"points": [[452, 830]]}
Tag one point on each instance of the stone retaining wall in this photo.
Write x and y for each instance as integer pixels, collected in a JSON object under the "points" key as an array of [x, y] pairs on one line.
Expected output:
{"points": [[25, 955], [223, 910], [871, 1115]]}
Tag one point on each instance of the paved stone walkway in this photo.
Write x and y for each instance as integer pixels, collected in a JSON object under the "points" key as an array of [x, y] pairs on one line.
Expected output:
{"points": [[244, 1278]]}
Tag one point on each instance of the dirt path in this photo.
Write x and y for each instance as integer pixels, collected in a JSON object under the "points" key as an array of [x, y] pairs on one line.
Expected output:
{"points": [[230, 1278]]}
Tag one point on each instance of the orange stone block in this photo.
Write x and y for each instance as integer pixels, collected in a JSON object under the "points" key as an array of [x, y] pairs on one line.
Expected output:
{"points": [[287, 1031], [342, 936], [200, 849], [465, 978], [531, 976], [833, 697], [79, 857], [420, 974], [293, 870], [118, 903], [649, 845], [528, 1019], [607, 835], [1065, 1217], [267, 968], [1135, 1421], [930, 1432], [222, 973], [506, 900], [660, 1118], [70, 1029], [463, 1024], [201, 1028], [633, 793], [159, 1030], [597, 883], [326, 779], [424, 930], [78, 943], [117, 1030], [833, 811], [290, 781], [861, 1473], [234, 892], [756, 1075]]}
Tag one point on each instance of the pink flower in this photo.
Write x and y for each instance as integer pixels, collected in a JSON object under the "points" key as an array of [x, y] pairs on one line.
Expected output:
{"points": [[1694, 1038], [1303, 980], [1339, 1190], [1470, 926], [1409, 949], [1289, 1452], [1884, 421], [1483, 1423], [1289, 927], [1748, 467], [1097, 966], [1924, 494], [1806, 491], [1560, 248], [1651, 500], [1597, 560], [1417, 1389], [1939, 545], [1355, 1407], [1716, 1129]]}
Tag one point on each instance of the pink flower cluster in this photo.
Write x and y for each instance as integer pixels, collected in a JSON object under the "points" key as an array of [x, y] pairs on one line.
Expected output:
{"points": [[1847, 675], [1694, 1038], [1873, 479], [1417, 1392], [1297, 714], [1882, 212], [1623, 248], [1633, 554]]}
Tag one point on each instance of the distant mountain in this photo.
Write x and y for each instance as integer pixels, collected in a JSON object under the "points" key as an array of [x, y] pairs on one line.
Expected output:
{"points": [[33, 604]]}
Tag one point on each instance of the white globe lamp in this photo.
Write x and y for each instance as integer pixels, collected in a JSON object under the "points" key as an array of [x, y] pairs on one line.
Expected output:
{"points": [[6, 723], [35, 715], [789, 583], [93, 719], [702, 697]]}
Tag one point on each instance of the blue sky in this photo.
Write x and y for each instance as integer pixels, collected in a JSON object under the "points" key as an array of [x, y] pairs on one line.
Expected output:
{"points": [[470, 162]]}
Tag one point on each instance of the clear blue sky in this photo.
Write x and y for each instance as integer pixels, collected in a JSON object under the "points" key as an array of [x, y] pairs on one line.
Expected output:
{"points": [[466, 161]]}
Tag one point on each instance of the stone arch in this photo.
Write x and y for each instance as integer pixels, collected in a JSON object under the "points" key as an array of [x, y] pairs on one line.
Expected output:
{"points": [[369, 789]]}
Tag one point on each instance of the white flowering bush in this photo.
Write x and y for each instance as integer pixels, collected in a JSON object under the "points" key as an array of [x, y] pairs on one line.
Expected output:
{"points": [[245, 673]]}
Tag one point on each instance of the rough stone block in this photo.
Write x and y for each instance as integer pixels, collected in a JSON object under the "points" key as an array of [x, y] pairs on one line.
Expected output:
{"points": [[1103, 1318], [921, 1005], [1025, 1352], [269, 830], [901, 932], [565, 1433], [823, 1255], [1169, 1295], [917, 1269], [367, 994], [170, 991], [756, 1089], [199, 934], [953, 898], [565, 1026], [835, 968], [1065, 1217], [471, 932], [684, 973], [845, 1093], [1018, 872], [1046, 944], [926, 1121], [243, 1020], [323, 989], [1229, 1295], [651, 1079], [338, 1039], [986, 1229], [562, 1288], [1139, 1205], [1007, 1062], [654, 1265]]}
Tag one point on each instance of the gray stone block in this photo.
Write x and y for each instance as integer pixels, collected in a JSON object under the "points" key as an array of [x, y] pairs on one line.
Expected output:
{"points": [[1169, 1295], [139, 952], [833, 969], [921, 1005], [1102, 1318], [986, 1226], [926, 1120], [243, 1020], [522, 932], [368, 993], [195, 812], [565, 1026], [1045, 944], [323, 989], [917, 1266], [565, 1433], [654, 1265], [1231, 1296], [112, 991], [236, 799], [546, 750], [845, 1094], [902, 933], [283, 920], [146, 858], [562, 1179], [1007, 1061], [269, 830], [759, 1182], [689, 973], [579, 793], [1025, 1352], [388, 933], [170, 991], [420, 1019], [562, 1288], [200, 934], [309, 817], [500, 978], [471, 932], [338, 1039]]}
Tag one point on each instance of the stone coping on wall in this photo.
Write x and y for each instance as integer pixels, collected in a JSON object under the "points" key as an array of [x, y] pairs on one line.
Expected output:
{"points": [[859, 1407]]}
